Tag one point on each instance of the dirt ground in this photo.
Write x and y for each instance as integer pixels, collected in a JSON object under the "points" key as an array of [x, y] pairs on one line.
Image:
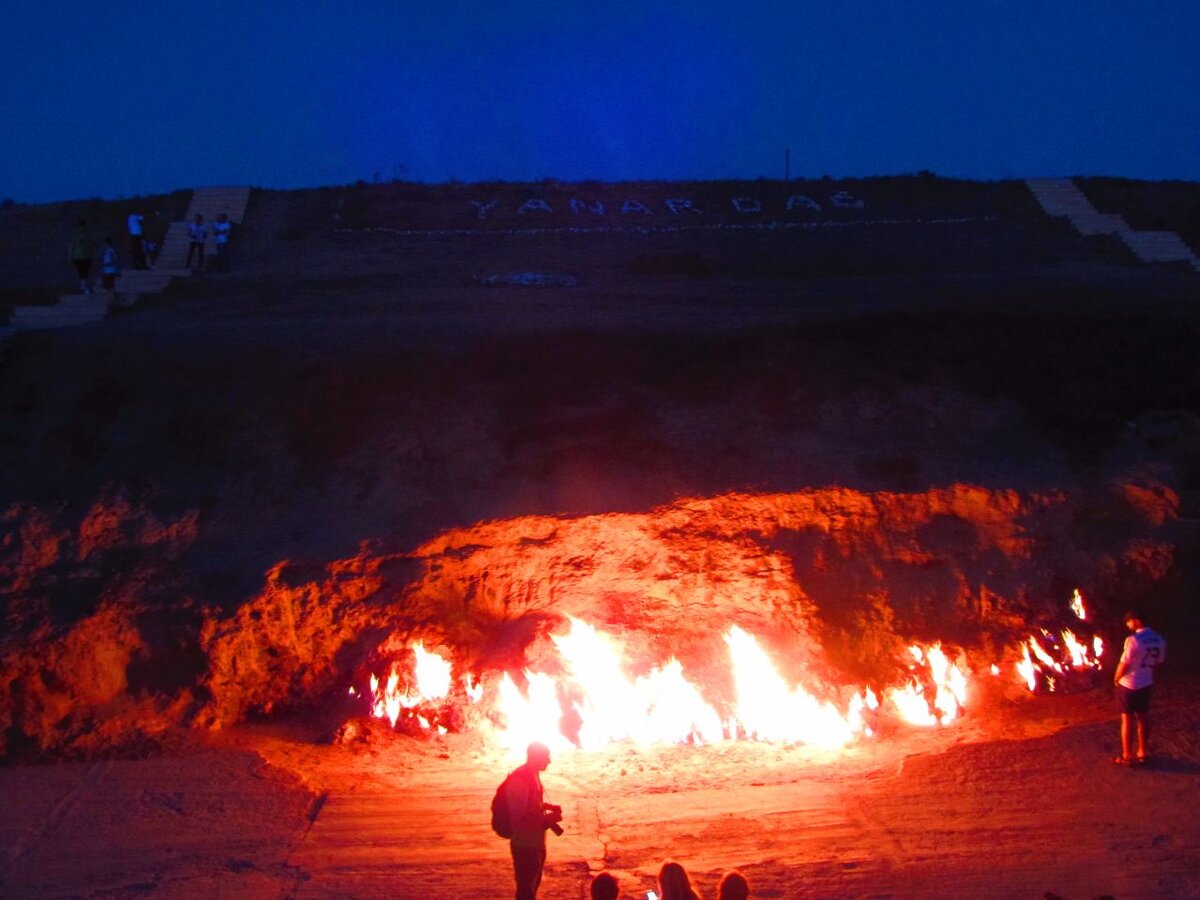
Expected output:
{"points": [[1019, 799]]}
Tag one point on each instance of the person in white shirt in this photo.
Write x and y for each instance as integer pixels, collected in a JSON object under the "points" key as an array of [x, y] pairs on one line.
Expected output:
{"points": [[1134, 679], [221, 240], [197, 235], [137, 237]]}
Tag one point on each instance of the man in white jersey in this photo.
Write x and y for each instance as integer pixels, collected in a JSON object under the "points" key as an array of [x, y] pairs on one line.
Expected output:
{"points": [[1134, 680]]}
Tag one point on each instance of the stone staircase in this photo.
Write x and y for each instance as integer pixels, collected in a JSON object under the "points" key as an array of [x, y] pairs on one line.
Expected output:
{"points": [[209, 203], [1062, 197], [71, 309], [83, 309]]}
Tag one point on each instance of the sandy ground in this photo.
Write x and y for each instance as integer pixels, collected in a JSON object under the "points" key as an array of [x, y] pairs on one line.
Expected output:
{"points": [[1016, 800]]}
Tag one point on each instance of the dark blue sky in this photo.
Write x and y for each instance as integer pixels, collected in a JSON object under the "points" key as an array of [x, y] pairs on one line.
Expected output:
{"points": [[121, 98]]}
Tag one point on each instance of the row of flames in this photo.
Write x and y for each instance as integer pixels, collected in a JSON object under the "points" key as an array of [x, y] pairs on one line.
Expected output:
{"points": [[607, 705]]}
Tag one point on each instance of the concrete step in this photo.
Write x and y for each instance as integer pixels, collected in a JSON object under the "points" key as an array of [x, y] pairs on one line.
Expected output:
{"points": [[144, 282], [1157, 246], [98, 300], [1099, 223], [44, 325], [210, 202], [61, 310], [23, 318], [1058, 196]]}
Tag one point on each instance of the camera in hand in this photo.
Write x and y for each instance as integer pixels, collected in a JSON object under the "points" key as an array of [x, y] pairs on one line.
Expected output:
{"points": [[555, 816]]}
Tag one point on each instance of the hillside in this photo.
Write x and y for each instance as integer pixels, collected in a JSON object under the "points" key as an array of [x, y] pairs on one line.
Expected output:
{"points": [[386, 363], [870, 425]]}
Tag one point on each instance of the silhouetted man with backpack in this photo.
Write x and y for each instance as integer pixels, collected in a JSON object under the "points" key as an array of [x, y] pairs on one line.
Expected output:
{"points": [[528, 818]]}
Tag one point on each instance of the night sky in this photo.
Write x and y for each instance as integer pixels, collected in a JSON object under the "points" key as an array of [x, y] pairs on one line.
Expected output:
{"points": [[121, 99]]}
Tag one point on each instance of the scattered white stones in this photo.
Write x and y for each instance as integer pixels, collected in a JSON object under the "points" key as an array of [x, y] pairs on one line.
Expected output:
{"points": [[632, 228], [675, 205], [526, 279]]}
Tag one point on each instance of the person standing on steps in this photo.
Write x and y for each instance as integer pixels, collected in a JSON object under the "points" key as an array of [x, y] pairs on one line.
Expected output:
{"points": [[221, 239], [137, 240], [110, 269], [80, 255], [197, 235], [1134, 679]]}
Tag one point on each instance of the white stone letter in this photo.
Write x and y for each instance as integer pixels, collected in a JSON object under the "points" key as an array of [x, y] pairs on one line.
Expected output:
{"points": [[579, 206], [636, 206], [844, 200], [747, 204], [678, 206], [799, 201], [534, 204], [483, 208]]}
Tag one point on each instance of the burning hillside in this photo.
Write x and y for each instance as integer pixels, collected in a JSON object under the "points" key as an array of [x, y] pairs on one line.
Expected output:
{"points": [[735, 616]]}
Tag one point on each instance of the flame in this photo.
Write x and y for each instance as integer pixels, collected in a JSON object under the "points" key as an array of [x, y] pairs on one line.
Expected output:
{"points": [[431, 682], [1080, 658], [432, 673], [607, 705], [1026, 669], [949, 690], [1042, 655], [388, 703], [661, 707], [665, 707], [531, 716], [1053, 658], [767, 709], [472, 688]]}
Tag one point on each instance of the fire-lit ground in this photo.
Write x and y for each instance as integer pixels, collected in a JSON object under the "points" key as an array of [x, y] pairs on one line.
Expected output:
{"points": [[1017, 799]]}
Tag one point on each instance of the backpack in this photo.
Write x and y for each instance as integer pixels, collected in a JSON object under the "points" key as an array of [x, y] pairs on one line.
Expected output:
{"points": [[501, 821]]}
